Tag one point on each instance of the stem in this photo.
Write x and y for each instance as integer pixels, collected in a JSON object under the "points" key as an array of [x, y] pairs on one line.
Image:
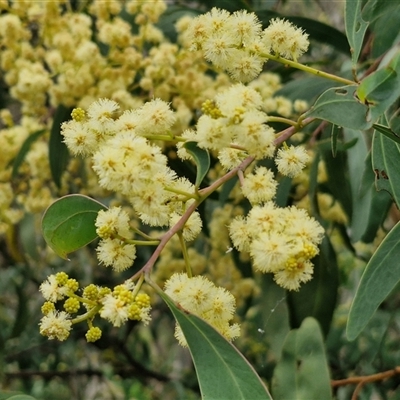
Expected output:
{"points": [[185, 254], [138, 286], [91, 313], [241, 177], [182, 192], [139, 232], [288, 132], [310, 70], [83, 300], [204, 193], [165, 138], [143, 242], [283, 120], [237, 147]]}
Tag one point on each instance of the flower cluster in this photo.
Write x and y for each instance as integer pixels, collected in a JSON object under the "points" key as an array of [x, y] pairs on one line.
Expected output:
{"points": [[114, 249], [234, 127], [290, 161], [117, 306], [236, 42], [201, 297], [281, 241], [127, 163]]}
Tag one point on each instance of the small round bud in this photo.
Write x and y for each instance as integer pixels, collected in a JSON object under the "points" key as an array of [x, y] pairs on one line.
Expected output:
{"points": [[61, 278], [210, 108], [72, 305], [142, 300], [78, 114], [91, 292], [93, 334], [48, 307], [134, 312], [72, 284], [103, 291]]}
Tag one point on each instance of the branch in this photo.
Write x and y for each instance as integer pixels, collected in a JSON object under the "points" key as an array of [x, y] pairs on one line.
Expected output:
{"points": [[360, 381], [204, 193]]}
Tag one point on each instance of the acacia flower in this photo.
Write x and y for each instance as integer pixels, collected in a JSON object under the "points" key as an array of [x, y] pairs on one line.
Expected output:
{"points": [[201, 297], [291, 160], [56, 325], [285, 39], [260, 186], [114, 310], [111, 222], [116, 254], [52, 290]]}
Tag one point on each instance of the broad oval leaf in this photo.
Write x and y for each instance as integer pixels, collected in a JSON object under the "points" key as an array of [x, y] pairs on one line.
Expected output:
{"points": [[340, 106], [68, 223], [201, 158], [222, 371], [355, 27], [302, 372], [385, 156], [380, 277]]}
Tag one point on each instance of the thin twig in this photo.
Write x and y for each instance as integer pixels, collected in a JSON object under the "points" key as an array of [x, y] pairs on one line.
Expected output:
{"points": [[360, 381]]}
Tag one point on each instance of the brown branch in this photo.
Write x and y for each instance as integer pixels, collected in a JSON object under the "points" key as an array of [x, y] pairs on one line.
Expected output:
{"points": [[360, 381], [204, 193]]}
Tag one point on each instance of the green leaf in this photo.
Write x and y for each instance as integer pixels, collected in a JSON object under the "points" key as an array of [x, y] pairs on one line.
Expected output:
{"points": [[361, 200], [5, 395], [168, 19], [374, 9], [317, 298], [302, 373], [369, 206], [334, 136], [222, 371], [308, 88], [381, 89], [338, 180], [384, 26], [13, 396], [380, 277], [201, 158], [22, 314], [68, 224], [380, 206], [58, 152], [340, 106], [283, 191], [226, 190], [387, 132], [385, 156], [24, 150], [29, 240], [355, 27]]}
